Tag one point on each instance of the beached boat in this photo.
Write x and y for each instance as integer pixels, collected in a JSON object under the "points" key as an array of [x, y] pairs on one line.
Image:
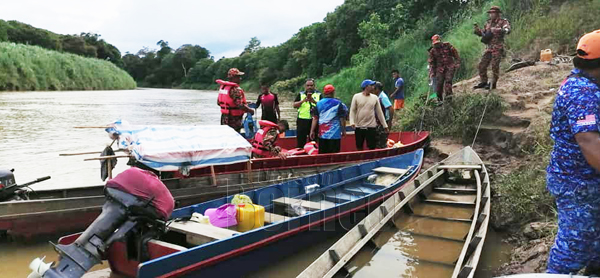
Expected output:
{"points": [[44, 210], [433, 227], [298, 213]]}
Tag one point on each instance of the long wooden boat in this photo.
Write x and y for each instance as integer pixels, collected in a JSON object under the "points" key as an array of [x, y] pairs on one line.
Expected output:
{"points": [[433, 227], [348, 154], [344, 196], [46, 210], [69, 210]]}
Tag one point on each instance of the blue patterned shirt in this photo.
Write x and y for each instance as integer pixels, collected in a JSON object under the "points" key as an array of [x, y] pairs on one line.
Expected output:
{"points": [[330, 112], [575, 111]]}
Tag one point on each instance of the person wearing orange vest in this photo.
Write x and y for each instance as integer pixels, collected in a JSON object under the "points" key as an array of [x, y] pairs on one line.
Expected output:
{"points": [[232, 100], [263, 144]]}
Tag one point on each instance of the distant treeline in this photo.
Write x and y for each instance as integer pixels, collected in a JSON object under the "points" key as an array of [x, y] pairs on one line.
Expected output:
{"points": [[347, 36], [84, 44], [28, 68]]}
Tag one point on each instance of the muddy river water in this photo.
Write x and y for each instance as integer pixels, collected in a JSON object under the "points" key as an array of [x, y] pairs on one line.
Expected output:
{"points": [[35, 127]]}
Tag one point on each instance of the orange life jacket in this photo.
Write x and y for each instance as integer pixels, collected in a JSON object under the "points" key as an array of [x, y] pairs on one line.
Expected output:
{"points": [[311, 148], [226, 103], [257, 144]]}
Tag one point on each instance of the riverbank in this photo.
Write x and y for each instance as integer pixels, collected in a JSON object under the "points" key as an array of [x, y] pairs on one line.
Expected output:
{"points": [[515, 144], [32, 68]]}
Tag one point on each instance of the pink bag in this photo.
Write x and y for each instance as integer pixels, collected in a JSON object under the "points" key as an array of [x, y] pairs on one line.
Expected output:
{"points": [[222, 217]]}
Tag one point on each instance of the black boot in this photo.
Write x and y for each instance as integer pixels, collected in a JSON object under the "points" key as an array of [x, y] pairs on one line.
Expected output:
{"points": [[487, 86], [493, 87], [480, 85]]}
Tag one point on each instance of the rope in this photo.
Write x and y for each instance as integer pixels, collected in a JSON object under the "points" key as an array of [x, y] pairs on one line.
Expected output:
{"points": [[481, 120]]}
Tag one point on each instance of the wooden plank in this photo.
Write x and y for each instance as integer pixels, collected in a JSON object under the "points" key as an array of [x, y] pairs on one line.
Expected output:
{"points": [[303, 203], [106, 157], [389, 170], [198, 234], [273, 218], [458, 166]]}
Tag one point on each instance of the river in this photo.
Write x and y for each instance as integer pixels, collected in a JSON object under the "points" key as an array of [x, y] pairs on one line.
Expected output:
{"points": [[35, 127]]}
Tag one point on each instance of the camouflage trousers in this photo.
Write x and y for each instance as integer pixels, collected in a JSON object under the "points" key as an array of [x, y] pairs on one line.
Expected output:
{"points": [[577, 243], [492, 56], [443, 82], [234, 122]]}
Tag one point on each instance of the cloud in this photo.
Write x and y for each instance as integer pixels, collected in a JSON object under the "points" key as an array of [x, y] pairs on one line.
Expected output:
{"points": [[224, 27]]}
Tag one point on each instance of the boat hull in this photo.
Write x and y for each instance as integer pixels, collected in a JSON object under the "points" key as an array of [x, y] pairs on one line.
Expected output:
{"points": [[256, 249], [48, 212]]}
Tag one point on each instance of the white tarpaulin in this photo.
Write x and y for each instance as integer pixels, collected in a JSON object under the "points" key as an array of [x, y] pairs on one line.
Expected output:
{"points": [[181, 148]]}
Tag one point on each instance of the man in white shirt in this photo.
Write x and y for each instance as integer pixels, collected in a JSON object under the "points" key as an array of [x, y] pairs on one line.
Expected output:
{"points": [[362, 117]]}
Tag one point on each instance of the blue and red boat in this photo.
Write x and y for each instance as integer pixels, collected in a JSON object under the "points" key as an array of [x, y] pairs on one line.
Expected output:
{"points": [[299, 213]]}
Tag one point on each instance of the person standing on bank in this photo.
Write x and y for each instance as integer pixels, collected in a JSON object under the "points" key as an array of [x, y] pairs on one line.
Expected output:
{"points": [[573, 174], [398, 94], [386, 106], [232, 100], [443, 62], [269, 104], [304, 102], [329, 118], [492, 35], [362, 117]]}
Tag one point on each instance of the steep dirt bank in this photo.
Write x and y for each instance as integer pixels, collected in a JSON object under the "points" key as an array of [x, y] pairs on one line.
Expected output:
{"points": [[509, 144]]}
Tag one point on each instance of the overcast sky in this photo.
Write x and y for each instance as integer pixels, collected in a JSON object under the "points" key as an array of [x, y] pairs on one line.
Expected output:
{"points": [[224, 27]]}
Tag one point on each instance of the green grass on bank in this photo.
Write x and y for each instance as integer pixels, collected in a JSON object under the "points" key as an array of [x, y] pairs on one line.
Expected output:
{"points": [[27, 67], [457, 119]]}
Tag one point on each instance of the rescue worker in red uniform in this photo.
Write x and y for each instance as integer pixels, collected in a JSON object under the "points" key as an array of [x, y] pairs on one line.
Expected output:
{"points": [[443, 62], [493, 36], [232, 100], [263, 144]]}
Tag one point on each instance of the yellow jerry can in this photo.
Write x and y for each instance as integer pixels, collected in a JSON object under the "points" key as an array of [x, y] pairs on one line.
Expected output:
{"points": [[250, 216], [546, 55]]}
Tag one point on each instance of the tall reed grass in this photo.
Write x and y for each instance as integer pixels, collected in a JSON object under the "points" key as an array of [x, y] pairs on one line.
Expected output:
{"points": [[27, 67]]}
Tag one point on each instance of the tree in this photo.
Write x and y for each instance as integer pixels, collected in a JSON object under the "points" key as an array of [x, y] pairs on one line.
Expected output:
{"points": [[374, 33], [253, 46], [164, 49]]}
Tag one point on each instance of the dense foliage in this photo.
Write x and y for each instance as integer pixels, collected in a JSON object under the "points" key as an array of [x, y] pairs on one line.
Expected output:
{"points": [[84, 44], [357, 28], [26, 67]]}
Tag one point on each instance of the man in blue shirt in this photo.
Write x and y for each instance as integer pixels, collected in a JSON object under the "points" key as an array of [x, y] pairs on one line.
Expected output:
{"points": [[384, 101], [573, 175], [398, 94], [330, 116]]}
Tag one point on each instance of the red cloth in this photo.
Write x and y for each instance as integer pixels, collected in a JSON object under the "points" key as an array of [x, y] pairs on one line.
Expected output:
{"points": [[145, 185]]}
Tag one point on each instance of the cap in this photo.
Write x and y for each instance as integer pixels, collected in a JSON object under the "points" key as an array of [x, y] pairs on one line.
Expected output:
{"points": [[494, 9], [328, 89], [367, 82], [589, 46], [234, 72], [436, 39]]}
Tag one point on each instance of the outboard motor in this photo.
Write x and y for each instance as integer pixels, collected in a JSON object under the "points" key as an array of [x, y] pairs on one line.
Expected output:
{"points": [[9, 189], [137, 202]]}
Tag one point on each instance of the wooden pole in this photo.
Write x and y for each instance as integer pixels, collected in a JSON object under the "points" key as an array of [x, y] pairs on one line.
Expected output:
{"points": [[71, 154], [213, 175], [106, 157], [249, 171], [109, 165], [92, 126]]}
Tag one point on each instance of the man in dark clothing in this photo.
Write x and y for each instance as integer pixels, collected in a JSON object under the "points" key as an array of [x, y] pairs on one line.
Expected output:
{"points": [[304, 102], [443, 62], [269, 104], [493, 35], [573, 174]]}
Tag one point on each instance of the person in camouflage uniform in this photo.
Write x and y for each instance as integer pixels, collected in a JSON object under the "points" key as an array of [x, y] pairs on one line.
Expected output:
{"points": [[443, 62], [493, 35], [237, 95], [573, 174]]}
